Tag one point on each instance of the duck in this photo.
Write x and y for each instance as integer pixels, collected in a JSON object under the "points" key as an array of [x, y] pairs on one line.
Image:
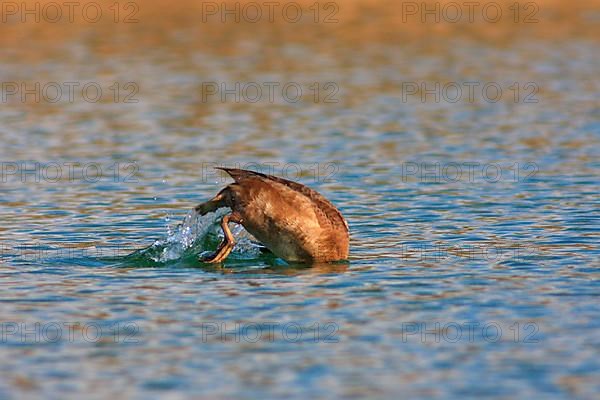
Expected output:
{"points": [[293, 221]]}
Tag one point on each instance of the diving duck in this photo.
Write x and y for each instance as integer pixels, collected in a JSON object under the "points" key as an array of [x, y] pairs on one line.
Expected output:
{"points": [[293, 221]]}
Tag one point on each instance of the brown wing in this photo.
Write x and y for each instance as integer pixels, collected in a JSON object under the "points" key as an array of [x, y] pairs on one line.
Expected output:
{"points": [[322, 205]]}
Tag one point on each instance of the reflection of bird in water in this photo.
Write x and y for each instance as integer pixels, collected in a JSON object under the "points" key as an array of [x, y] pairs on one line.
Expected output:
{"points": [[293, 221]]}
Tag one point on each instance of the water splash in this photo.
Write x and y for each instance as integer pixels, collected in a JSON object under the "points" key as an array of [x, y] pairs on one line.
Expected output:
{"points": [[198, 235], [181, 238]]}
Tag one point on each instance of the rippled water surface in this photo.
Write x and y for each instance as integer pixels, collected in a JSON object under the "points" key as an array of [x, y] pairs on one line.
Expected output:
{"points": [[474, 225]]}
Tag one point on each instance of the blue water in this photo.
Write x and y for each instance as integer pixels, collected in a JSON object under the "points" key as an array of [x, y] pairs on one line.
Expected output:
{"points": [[474, 266]]}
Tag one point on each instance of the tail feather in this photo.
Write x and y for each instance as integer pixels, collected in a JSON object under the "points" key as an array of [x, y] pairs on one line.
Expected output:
{"points": [[238, 174]]}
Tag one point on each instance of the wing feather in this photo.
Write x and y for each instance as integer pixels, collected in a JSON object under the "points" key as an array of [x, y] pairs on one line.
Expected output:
{"points": [[322, 207]]}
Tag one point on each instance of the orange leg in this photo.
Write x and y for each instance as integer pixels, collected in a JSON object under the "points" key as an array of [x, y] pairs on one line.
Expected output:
{"points": [[228, 242]]}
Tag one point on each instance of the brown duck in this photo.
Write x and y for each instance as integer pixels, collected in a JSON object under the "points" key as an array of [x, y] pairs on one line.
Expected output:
{"points": [[293, 221]]}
